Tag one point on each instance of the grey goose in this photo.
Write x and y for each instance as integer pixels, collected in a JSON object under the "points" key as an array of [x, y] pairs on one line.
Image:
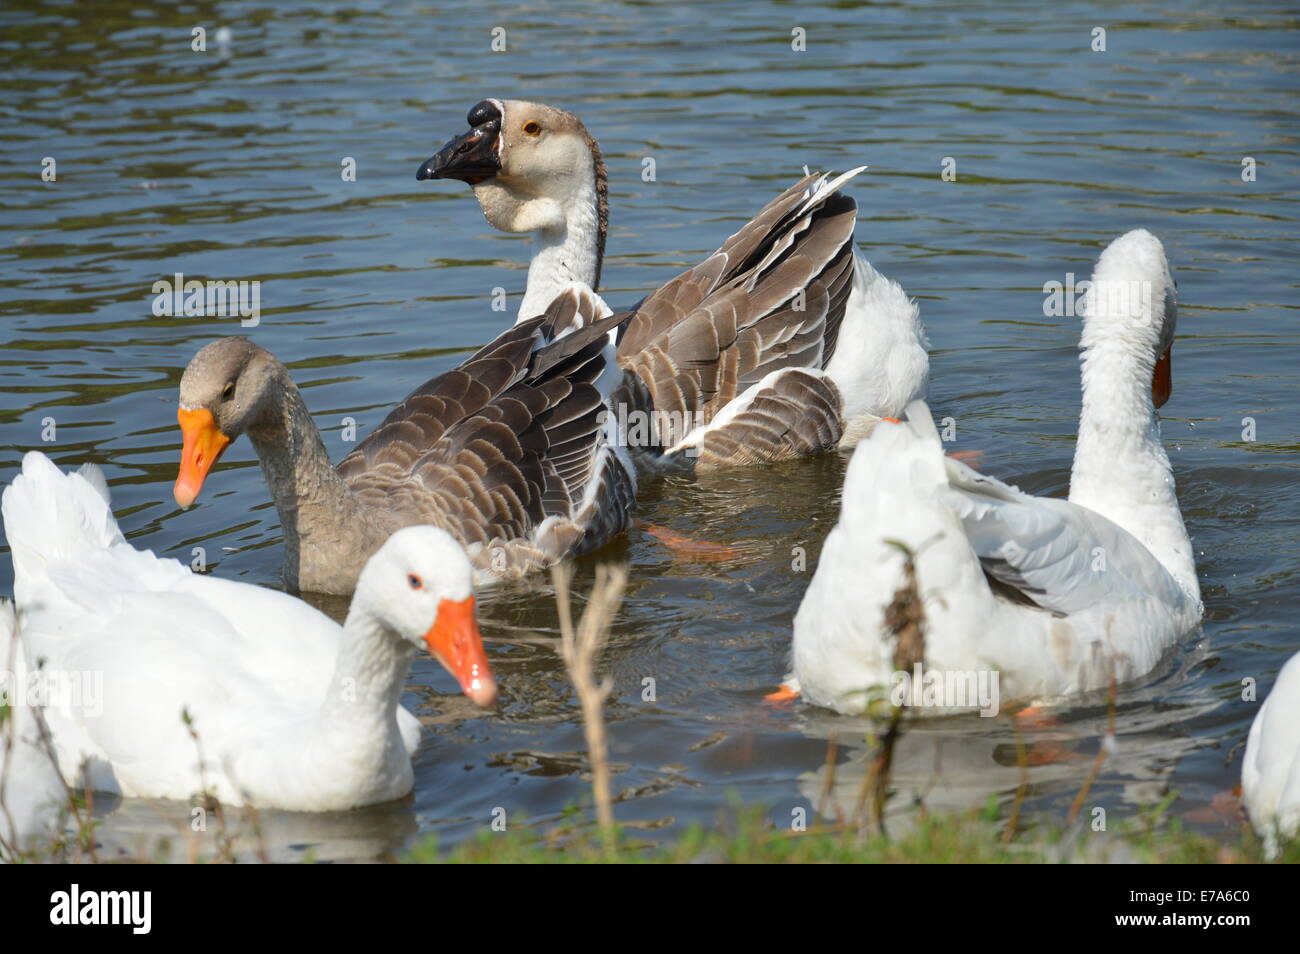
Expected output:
{"points": [[784, 342], [507, 452]]}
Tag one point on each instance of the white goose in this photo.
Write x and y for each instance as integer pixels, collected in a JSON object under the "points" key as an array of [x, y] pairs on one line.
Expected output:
{"points": [[1054, 595], [782, 343], [1270, 773], [291, 710]]}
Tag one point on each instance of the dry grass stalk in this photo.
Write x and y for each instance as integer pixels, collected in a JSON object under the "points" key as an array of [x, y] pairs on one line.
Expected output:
{"points": [[1022, 760], [905, 621], [1095, 771], [828, 789], [78, 806], [225, 838], [579, 649], [8, 853]]}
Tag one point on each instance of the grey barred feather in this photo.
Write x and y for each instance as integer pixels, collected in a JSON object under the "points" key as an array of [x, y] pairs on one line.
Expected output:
{"points": [[494, 448], [772, 297], [798, 414]]}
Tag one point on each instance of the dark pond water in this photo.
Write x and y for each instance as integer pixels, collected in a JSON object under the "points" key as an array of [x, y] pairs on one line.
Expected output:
{"points": [[226, 165]]}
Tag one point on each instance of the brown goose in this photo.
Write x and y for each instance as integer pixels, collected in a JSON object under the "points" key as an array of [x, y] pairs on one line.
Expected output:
{"points": [[508, 452], [784, 342]]}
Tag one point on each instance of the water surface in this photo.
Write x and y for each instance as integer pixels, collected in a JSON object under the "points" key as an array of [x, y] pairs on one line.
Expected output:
{"points": [[226, 165]]}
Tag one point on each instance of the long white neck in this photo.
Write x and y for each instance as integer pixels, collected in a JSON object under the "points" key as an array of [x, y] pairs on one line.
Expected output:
{"points": [[564, 208], [564, 255], [349, 750], [318, 512], [1121, 469], [358, 721]]}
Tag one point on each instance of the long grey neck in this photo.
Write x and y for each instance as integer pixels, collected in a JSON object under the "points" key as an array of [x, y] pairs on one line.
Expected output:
{"points": [[575, 251], [317, 510]]}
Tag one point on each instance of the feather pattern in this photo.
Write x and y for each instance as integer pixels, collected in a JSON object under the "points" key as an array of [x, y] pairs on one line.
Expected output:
{"points": [[1053, 596], [778, 295], [507, 451], [771, 298]]}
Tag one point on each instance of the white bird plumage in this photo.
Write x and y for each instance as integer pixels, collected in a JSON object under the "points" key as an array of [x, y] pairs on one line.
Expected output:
{"points": [[1270, 771], [291, 711], [1055, 595]]}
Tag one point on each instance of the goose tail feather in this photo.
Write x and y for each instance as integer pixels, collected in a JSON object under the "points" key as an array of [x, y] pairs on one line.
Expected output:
{"points": [[51, 517]]}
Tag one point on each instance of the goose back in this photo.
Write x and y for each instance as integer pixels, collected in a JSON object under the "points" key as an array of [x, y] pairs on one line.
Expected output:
{"points": [[507, 451], [771, 298]]}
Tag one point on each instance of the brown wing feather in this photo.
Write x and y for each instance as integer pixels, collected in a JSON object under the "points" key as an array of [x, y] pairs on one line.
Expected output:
{"points": [[772, 297], [423, 417], [491, 449], [798, 414]]}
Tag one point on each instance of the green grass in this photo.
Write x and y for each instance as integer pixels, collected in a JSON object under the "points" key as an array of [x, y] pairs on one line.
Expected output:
{"points": [[746, 837]]}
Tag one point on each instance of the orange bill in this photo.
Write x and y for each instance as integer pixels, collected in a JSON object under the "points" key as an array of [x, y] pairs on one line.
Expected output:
{"points": [[1162, 382], [454, 640], [204, 444]]}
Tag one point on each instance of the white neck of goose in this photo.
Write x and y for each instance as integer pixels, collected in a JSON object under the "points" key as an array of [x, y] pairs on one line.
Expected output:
{"points": [[355, 750], [368, 677], [1121, 469], [567, 216]]}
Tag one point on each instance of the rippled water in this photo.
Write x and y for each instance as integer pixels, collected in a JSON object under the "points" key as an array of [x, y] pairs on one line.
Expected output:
{"points": [[225, 165]]}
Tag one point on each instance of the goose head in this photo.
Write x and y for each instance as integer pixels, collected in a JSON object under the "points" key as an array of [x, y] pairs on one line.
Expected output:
{"points": [[418, 588], [530, 165], [1133, 301], [229, 386]]}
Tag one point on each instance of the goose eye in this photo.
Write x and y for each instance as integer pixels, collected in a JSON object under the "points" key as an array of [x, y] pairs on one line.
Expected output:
{"points": [[228, 391], [532, 128], [415, 581]]}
